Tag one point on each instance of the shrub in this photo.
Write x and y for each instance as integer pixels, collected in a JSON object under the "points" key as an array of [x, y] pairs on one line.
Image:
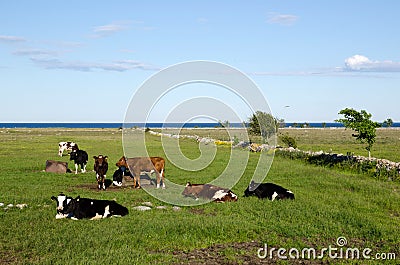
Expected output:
{"points": [[288, 140]]}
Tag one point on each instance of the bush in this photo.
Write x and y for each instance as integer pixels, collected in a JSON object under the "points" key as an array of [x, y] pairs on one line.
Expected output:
{"points": [[288, 140]]}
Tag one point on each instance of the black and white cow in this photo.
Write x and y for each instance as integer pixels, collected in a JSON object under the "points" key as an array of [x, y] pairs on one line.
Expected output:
{"points": [[69, 146], [268, 190], [80, 158], [79, 208], [62, 203]]}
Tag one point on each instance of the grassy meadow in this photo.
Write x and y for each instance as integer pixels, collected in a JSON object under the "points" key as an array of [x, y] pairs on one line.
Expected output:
{"points": [[329, 204]]}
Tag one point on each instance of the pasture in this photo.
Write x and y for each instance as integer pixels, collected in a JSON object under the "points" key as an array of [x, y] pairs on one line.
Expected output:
{"points": [[329, 204]]}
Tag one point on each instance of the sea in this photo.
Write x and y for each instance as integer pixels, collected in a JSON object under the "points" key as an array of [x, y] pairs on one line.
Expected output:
{"points": [[100, 125]]}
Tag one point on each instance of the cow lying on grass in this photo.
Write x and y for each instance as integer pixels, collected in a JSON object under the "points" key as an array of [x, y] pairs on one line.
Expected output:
{"points": [[268, 190], [79, 208], [209, 192], [137, 165], [69, 146]]}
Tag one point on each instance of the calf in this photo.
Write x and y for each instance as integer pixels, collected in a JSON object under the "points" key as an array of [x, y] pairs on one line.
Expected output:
{"points": [[119, 174], [79, 208], [209, 192], [62, 202], [80, 158], [69, 146], [101, 168], [137, 165], [268, 190]]}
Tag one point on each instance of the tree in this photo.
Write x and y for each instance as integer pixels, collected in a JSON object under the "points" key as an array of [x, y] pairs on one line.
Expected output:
{"points": [[362, 124], [388, 123], [264, 124]]}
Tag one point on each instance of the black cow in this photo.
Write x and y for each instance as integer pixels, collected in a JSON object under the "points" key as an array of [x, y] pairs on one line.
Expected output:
{"points": [[80, 158], [79, 208], [268, 190], [119, 174]]}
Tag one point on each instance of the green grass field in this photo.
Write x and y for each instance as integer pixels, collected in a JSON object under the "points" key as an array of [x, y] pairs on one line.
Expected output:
{"points": [[329, 204]]}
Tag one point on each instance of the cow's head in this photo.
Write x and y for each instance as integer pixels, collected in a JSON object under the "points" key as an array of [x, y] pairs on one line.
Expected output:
{"points": [[71, 206], [192, 190], [122, 162], [63, 202], [100, 160], [73, 155], [251, 189]]}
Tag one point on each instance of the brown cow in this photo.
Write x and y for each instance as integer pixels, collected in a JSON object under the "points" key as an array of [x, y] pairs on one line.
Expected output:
{"points": [[209, 192], [101, 168], [137, 165]]}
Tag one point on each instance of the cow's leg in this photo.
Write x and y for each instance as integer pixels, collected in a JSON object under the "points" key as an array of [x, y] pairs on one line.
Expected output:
{"points": [[137, 179], [104, 182], [83, 168], [163, 178], [158, 176], [76, 168]]}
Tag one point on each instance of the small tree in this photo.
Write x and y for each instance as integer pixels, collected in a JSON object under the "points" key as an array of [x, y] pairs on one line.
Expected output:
{"points": [[264, 124], [388, 123], [362, 124]]}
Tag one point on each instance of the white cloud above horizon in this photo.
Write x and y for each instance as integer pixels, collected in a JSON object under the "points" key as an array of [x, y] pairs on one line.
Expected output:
{"points": [[11, 39], [282, 19], [119, 65], [109, 29], [361, 63]]}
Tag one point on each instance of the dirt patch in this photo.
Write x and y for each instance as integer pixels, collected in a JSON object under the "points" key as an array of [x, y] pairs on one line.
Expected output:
{"points": [[7, 257], [232, 253]]}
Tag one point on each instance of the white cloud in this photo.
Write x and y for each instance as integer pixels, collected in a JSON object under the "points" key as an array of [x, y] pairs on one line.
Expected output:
{"points": [[34, 52], [11, 39], [119, 66], [109, 29], [282, 19], [361, 63]]}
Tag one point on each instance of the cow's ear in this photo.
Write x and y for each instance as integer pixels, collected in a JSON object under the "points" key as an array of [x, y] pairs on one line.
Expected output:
{"points": [[77, 198], [105, 157], [53, 198], [188, 184], [95, 157], [252, 182]]}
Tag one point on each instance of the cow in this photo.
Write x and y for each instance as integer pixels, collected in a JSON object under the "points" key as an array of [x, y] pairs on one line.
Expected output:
{"points": [[62, 202], [79, 208], [69, 146], [80, 158], [268, 190], [119, 174], [57, 167], [209, 192], [101, 168], [137, 165]]}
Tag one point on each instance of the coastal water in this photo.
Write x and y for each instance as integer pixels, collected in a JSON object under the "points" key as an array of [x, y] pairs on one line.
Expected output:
{"points": [[156, 125]]}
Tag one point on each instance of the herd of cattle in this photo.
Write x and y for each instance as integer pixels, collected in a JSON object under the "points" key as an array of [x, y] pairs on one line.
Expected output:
{"points": [[78, 208]]}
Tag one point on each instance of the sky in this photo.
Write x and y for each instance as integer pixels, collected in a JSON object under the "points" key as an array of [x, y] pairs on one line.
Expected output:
{"points": [[83, 61]]}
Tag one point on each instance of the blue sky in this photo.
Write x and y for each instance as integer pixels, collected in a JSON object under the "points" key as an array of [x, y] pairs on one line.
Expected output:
{"points": [[81, 61]]}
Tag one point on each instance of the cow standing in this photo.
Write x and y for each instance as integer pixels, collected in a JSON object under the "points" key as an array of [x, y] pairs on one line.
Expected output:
{"points": [[268, 190], [69, 146], [101, 168], [137, 165], [80, 158], [79, 208]]}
